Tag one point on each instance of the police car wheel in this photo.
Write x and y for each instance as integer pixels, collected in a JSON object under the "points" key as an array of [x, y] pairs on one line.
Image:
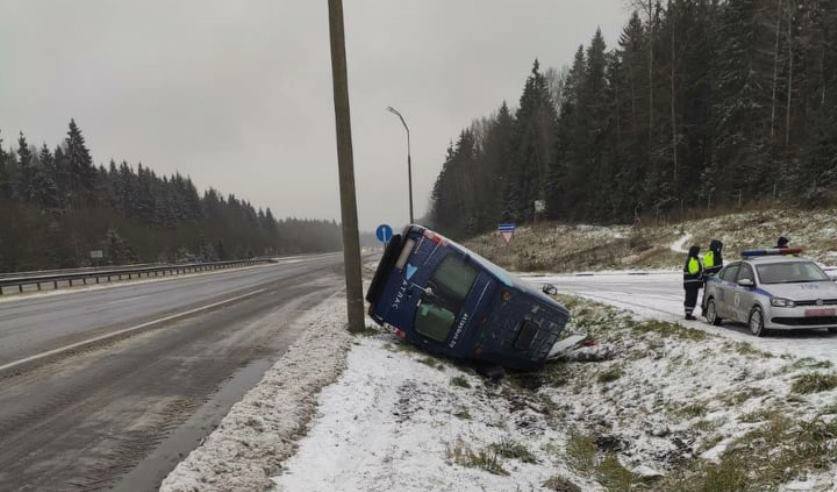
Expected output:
{"points": [[712, 312], [832, 330], [757, 322]]}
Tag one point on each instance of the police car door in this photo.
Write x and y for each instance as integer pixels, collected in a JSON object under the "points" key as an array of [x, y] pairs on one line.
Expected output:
{"points": [[744, 296], [725, 289]]}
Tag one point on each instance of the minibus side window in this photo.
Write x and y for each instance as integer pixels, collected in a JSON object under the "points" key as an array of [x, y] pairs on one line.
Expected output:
{"points": [[440, 305]]}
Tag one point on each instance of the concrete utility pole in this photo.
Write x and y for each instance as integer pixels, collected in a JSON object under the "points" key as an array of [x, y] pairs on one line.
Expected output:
{"points": [[409, 159], [345, 165]]}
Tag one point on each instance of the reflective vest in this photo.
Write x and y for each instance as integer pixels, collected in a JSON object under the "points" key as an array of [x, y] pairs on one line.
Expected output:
{"points": [[694, 266], [709, 259]]}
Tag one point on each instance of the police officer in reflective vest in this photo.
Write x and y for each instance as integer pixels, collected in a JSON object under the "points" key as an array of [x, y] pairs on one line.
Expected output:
{"points": [[692, 280], [713, 260]]}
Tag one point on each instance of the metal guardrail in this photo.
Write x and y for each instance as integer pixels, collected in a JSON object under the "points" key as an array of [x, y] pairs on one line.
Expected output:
{"points": [[97, 276], [59, 271]]}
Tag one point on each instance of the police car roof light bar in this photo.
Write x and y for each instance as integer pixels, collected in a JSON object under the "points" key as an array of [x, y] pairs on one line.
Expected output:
{"points": [[770, 252]]}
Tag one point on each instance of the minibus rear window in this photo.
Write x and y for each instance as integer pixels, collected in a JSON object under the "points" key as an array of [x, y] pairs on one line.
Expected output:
{"points": [[440, 304], [405, 253]]}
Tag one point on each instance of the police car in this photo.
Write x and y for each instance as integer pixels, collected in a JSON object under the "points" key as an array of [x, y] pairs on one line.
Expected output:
{"points": [[772, 290]]}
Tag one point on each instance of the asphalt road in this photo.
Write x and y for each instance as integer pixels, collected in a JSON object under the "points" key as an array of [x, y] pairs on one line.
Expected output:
{"points": [[660, 296], [122, 412]]}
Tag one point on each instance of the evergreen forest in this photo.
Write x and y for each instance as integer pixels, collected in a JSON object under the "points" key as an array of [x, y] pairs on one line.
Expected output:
{"points": [[57, 206], [701, 104]]}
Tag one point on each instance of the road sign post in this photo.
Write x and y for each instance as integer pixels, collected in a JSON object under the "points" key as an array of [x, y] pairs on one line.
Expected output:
{"points": [[506, 231], [384, 233], [345, 165]]}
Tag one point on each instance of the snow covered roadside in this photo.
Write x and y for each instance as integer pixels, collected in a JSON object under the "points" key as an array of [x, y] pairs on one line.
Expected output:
{"points": [[679, 246], [261, 430], [650, 403], [398, 420]]}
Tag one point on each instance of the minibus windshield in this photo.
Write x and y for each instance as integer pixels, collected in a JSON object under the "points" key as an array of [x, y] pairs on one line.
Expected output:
{"points": [[441, 302]]}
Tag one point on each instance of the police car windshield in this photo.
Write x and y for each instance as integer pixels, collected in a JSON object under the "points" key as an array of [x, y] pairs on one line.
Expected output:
{"points": [[791, 273], [448, 287]]}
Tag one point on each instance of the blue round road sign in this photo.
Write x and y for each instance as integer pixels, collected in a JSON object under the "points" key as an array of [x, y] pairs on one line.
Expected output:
{"points": [[384, 233]]}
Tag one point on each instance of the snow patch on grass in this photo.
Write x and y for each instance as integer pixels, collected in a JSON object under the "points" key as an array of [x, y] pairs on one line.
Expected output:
{"points": [[650, 405], [393, 422], [679, 246], [687, 403]]}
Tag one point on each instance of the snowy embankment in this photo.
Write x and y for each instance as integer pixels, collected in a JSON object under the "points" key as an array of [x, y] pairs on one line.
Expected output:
{"points": [[560, 247], [650, 403], [679, 246], [261, 430]]}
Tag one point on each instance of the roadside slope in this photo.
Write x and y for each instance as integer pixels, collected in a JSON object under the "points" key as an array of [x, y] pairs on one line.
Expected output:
{"points": [[559, 247], [647, 404]]}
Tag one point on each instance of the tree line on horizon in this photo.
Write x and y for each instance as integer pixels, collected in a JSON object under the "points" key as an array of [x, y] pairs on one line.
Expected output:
{"points": [[702, 103], [56, 207]]}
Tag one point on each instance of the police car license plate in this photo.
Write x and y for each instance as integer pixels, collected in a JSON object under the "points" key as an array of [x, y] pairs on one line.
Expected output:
{"points": [[820, 312]]}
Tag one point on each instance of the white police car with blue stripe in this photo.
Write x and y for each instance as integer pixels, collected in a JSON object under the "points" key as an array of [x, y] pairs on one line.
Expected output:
{"points": [[772, 290]]}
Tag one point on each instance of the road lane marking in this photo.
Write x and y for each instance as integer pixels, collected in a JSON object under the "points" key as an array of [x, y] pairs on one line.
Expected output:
{"points": [[50, 353]]}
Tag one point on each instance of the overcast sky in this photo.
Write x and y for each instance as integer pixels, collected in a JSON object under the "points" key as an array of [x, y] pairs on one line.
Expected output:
{"points": [[237, 94]]}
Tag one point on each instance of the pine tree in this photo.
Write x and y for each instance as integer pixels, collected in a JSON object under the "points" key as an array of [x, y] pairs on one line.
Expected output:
{"points": [[817, 177], [619, 161], [79, 166], [462, 197], [739, 107], [534, 145], [569, 191], [497, 156], [117, 249], [45, 191], [594, 99], [23, 187], [5, 175]]}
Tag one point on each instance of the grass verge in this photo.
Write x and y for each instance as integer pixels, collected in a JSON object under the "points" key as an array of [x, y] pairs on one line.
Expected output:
{"points": [[460, 381], [584, 456], [770, 455], [485, 459], [814, 382], [510, 449]]}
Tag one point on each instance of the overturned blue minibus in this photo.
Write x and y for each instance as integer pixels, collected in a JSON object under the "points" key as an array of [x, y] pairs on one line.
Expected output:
{"points": [[450, 301]]}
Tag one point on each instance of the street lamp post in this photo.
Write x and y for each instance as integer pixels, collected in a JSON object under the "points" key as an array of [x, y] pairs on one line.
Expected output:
{"points": [[409, 159]]}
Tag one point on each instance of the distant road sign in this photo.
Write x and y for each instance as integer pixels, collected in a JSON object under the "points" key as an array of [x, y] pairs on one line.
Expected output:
{"points": [[507, 230], [97, 254], [540, 206], [384, 233]]}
